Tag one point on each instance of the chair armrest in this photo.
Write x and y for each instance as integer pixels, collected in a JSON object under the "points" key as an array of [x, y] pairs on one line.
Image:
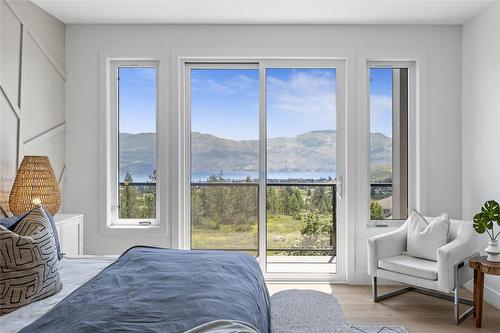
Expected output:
{"points": [[386, 245], [455, 252]]}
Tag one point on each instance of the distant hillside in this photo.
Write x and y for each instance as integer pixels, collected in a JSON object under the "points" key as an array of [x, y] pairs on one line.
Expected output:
{"points": [[311, 151]]}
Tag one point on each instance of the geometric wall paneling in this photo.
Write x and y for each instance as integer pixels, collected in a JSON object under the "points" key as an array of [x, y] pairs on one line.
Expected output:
{"points": [[9, 150], [15, 6], [51, 144], [45, 29], [45, 86], [32, 86], [11, 31]]}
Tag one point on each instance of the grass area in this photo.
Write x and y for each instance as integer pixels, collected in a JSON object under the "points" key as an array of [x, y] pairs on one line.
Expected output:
{"points": [[283, 232]]}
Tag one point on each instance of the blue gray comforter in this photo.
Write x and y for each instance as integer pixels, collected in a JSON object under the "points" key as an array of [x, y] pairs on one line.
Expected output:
{"points": [[164, 290]]}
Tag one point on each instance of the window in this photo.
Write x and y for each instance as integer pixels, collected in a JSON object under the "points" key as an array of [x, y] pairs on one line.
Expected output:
{"points": [[134, 142], [389, 142]]}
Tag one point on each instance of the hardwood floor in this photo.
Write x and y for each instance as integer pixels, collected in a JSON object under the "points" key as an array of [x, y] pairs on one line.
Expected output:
{"points": [[418, 313]]}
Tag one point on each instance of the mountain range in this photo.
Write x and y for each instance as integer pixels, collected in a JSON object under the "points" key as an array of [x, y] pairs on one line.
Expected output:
{"points": [[313, 151]]}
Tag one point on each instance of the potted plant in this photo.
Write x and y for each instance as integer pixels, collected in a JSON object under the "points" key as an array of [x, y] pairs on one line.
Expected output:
{"points": [[484, 221]]}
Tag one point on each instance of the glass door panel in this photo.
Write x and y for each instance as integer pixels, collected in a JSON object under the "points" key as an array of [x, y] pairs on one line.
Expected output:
{"points": [[224, 106], [301, 169]]}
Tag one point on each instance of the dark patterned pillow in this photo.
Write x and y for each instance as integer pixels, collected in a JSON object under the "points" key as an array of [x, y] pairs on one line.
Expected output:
{"points": [[28, 262], [10, 223]]}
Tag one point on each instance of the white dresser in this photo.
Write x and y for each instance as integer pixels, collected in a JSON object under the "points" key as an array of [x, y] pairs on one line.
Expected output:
{"points": [[70, 232]]}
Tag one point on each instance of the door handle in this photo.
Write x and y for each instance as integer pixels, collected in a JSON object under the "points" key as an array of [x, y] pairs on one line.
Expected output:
{"points": [[340, 188]]}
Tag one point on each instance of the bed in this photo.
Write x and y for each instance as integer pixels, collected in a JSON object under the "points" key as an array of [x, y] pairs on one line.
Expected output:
{"points": [[151, 290]]}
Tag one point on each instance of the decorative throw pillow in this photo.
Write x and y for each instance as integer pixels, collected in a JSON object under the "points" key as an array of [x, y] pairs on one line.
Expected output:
{"points": [[424, 237], [10, 223], [28, 262]]}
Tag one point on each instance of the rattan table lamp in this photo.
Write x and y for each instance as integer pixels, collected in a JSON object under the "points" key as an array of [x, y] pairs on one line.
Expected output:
{"points": [[35, 184]]}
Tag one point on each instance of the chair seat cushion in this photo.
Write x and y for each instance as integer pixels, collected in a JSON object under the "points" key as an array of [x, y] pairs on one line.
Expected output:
{"points": [[421, 268]]}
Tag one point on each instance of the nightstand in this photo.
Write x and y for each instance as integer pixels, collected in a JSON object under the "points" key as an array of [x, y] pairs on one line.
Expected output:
{"points": [[70, 232]]}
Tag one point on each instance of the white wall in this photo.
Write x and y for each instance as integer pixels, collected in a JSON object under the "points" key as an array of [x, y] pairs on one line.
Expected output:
{"points": [[481, 121], [32, 68], [441, 46]]}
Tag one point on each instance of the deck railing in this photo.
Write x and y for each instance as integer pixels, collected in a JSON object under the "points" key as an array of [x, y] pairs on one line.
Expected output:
{"points": [[273, 183]]}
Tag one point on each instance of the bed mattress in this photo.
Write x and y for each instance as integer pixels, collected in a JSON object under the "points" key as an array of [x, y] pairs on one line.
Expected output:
{"points": [[74, 272], [152, 289]]}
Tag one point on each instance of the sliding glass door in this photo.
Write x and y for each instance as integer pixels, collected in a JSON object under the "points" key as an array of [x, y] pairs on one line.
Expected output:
{"points": [[263, 162]]}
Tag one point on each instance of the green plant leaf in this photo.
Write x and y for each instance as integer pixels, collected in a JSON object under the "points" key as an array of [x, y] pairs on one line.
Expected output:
{"points": [[491, 210], [481, 223]]}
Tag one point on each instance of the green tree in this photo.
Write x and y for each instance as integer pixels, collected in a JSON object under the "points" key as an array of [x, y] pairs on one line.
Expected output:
{"points": [[128, 198], [315, 223], [152, 177], [376, 211], [292, 202], [273, 201], [149, 196], [321, 200], [318, 233]]}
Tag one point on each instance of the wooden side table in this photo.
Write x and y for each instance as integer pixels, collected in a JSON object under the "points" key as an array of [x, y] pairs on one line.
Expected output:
{"points": [[481, 266]]}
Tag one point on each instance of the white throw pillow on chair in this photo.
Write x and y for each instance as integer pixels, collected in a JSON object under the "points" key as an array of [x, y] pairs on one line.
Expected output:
{"points": [[424, 237]]}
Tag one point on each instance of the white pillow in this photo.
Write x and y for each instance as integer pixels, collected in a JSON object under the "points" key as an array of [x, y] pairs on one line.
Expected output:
{"points": [[424, 237]]}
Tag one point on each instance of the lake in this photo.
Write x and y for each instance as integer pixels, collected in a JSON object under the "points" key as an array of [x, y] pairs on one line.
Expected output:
{"points": [[242, 175]]}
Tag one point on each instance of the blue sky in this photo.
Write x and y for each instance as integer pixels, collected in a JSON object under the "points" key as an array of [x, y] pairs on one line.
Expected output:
{"points": [[226, 102], [381, 100], [137, 99]]}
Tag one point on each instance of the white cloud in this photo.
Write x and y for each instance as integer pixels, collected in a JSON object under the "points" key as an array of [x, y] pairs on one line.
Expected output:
{"points": [[238, 84], [209, 85], [303, 92]]}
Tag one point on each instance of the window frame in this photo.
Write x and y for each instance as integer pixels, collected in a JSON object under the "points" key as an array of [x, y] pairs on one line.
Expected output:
{"points": [[109, 222], [413, 187]]}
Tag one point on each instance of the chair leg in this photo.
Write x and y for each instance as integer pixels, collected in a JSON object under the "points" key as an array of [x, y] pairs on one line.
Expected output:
{"points": [[456, 305], [457, 300], [377, 298]]}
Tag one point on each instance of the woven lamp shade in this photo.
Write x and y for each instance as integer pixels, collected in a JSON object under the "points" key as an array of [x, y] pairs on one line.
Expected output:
{"points": [[35, 184]]}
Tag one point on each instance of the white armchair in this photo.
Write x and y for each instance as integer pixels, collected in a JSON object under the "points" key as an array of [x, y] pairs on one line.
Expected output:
{"points": [[387, 260]]}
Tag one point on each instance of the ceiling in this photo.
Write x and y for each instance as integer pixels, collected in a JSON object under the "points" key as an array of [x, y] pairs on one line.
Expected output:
{"points": [[444, 12]]}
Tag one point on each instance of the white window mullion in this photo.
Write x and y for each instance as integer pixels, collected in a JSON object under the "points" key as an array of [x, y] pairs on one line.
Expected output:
{"points": [[262, 169]]}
